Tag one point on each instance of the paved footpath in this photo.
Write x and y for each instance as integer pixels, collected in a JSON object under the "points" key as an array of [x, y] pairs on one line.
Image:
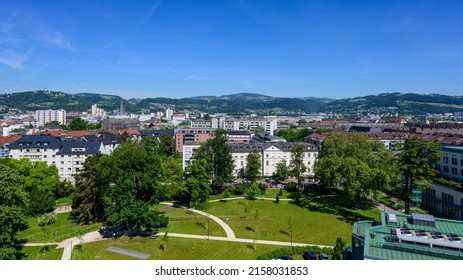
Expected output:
{"points": [[228, 230]]}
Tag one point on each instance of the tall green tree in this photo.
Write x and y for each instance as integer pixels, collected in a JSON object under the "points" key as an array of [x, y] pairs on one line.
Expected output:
{"points": [[282, 171], [253, 166], [217, 153], [197, 187], [297, 166], [417, 161], [166, 142], [356, 163], [90, 186], [13, 205]]}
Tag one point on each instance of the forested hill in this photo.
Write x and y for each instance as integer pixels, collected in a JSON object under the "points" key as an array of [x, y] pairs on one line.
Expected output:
{"points": [[234, 103], [406, 104]]}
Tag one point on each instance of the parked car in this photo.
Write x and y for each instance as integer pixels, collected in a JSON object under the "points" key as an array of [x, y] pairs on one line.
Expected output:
{"points": [[309, 255], [285, 257], [323, 256]]}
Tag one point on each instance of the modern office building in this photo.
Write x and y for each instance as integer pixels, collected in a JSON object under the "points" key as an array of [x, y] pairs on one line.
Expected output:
{"points": [[407, 237]]}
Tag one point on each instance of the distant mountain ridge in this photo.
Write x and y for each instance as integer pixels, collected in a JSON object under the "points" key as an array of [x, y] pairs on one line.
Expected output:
{"points": [[404, 103]]}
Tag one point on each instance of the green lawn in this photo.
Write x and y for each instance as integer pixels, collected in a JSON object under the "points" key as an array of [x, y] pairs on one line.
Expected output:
{"points": [[177, 249], [320, 221], [64, 228], [36, 253], [272, 193], [184, 221]]}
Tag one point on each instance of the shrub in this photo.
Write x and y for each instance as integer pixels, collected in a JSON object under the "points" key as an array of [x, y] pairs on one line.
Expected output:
{"points": [[46, 219], [294, 251]]}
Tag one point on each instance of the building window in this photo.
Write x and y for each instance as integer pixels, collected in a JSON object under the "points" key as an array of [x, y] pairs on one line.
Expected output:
{"points": [[445, 159], [446, 169], [266, 163], [454, 171], [454, 161]]}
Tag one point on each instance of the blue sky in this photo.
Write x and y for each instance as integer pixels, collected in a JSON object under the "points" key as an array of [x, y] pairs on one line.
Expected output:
{"points": [[174, 48]]}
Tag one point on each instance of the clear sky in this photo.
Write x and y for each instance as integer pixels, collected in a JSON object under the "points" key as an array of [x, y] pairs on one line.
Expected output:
{"points": [[175, 48]]}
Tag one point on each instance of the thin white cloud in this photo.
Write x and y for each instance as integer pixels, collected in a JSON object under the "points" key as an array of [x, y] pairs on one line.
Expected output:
{"points": [[12, 59], [54, 38], [151, 11]]}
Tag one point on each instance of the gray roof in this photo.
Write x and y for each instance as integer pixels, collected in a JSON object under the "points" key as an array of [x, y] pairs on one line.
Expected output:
{"points": [[85, 148], [36, 141]]}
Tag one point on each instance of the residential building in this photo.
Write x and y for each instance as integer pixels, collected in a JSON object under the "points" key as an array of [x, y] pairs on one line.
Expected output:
{"points": [[45, 116], [269, 125], [183, 136], [122, 108], [407, 237], [67, 156], [451, 163], [117, 124], [201, 124], [239, 136], [5, 141]]}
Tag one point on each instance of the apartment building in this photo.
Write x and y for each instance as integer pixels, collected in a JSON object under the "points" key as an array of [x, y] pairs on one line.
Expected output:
{"points": [[183, 136], [67, 156], [45, 116], [451, 163]]}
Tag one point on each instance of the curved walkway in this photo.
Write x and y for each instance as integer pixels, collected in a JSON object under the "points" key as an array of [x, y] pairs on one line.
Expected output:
{"points": [[228, 230]]}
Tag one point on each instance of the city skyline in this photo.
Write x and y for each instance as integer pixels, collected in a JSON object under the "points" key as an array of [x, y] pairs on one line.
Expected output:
{"points": [[180, 49]]}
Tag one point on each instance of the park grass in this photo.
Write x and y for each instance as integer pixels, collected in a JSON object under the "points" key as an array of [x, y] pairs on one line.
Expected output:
{"points": [[272, 193], [320, 221], [177, 249], [184, 221], [64, 201], [35, 253], [62, 229]]}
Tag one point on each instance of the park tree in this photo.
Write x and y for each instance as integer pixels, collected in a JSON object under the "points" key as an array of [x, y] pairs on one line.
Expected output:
{"points": [[90, 185], [197, 188], [217, 153], [13, 207], [282, 171], [416, 164], [253, 166], [297, 166], [339, 248], [134, 172], [359, 165], [166, 142]]}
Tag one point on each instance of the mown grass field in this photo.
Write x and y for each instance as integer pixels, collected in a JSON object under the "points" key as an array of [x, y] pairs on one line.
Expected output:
{"points": [[36, 253], [184, 221], [320, 221], [177, 249], [62, 229]]}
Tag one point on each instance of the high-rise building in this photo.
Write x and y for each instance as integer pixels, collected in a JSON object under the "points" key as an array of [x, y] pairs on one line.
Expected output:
{"points": [[47, 116], [122, 108], [169, 114], [94, 109]]}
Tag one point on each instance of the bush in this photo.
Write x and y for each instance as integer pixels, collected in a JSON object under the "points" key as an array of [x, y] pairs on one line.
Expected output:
{"points": [[46, 219], [294, 251], [239, 189]]}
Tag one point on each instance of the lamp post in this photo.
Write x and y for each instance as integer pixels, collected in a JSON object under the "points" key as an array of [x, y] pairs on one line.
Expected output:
{"points": [[291, 231]]}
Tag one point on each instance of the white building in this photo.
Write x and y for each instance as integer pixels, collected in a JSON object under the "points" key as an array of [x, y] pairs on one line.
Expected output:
{"points": [[46, 116], [67, 156], [451, 163], [169, 114], [270, 153], [270, 125]]}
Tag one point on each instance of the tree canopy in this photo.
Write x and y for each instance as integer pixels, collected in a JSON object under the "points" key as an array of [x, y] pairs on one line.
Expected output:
{"points": [[416, 163], [13, 205], [217, 154], [360, 165], [253, 165], [297, 166]]}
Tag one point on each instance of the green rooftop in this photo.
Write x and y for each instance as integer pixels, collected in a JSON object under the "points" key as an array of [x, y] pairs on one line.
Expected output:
{"points": [[455, 149], [384, 240]]}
